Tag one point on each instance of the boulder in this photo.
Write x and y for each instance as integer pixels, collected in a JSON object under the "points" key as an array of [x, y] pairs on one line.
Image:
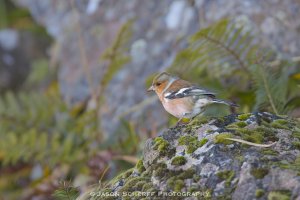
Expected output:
{"points": [[197, 161]]}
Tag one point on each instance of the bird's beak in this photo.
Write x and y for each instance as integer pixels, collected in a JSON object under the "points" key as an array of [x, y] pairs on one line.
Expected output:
{"points": [[150, 89]]}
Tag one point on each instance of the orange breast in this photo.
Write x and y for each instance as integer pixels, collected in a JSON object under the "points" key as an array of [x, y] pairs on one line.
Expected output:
{"points": [[178, 107]]}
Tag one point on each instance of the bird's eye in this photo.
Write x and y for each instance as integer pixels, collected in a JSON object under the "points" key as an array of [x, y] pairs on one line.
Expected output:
{"points": [[157, 84]]}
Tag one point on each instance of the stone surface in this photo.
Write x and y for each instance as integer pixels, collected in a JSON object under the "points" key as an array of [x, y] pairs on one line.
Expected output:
{"points": [[217, 168]]}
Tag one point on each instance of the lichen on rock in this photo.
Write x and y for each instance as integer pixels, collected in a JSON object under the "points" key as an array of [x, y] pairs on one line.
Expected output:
{"points": [[196, 159]]}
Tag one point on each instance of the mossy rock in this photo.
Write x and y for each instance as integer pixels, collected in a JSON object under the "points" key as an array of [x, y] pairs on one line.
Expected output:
{"points": [[178, 160], [259, 193], [280, 195], [259, 172], [220, 168]]}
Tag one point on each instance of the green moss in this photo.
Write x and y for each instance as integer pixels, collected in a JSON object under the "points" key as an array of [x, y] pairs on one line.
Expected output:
{"points": [[280, 124], [244, 117], [193, 189], [147, 186], [226, 175], [221, 138], [259, 193], [241, 124], [160, 170], [254, 137], [134, 184], [175, 184], [257, 135], [196, 177], [290, 165], [161, 144], [191, 142], [189, 173], [259, 173], [123, 175], [279, 195], [296, 145], [163, 147], [200, 120], [296, 134], [171, 181], [179, 184], [203, 141], [139, 185], [178, 160], [184, 140], [269, 152], [140, 166]]}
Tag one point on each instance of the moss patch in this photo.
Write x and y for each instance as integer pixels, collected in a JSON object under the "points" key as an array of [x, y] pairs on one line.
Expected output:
{"points": [[178, 185], [226, 175], [123, 175], [159, 169], [163, 147], [244, 117], [280, 124], [178, 160], [191, 142], [280, 195], [296, 134], [134, 184], [269, 152], [235, 125], [140, 166], [259, 173], [296, 145], [259, 193], [258, 135], [221, 138]]}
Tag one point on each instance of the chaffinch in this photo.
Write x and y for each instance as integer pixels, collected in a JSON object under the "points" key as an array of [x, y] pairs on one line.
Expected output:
{"points": [[181, 98]]}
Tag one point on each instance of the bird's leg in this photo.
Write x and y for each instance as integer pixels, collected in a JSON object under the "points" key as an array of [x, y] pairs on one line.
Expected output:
{"points": [[202, 111], [180, 119]]}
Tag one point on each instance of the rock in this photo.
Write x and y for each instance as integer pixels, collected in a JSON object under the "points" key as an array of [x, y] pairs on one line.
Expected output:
{"points": [[197, 161]]}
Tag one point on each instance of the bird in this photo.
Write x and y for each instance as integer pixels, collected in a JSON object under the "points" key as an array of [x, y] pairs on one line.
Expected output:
{"points": [[181, 98]]}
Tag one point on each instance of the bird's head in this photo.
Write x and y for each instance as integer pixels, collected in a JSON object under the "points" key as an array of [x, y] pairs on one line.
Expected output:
{"points": [[160, 82]]}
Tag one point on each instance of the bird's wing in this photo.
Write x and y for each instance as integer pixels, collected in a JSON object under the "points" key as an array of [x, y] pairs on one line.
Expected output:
{"points": [[188, 91]]}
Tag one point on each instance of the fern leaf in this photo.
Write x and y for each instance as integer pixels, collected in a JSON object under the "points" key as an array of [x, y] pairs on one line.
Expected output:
{"points": [[212, 47], [66, 192], [271, 89], [116, 54]]}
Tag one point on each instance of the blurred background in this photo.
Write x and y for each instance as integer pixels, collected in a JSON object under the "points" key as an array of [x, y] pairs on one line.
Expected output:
{"points": [[73, 77]]}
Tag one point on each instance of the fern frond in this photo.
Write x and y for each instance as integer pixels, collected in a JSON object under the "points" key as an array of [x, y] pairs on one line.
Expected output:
{"points": [[40, 129], [271, 88], [117, 54], [216, 45], [66, 192]]}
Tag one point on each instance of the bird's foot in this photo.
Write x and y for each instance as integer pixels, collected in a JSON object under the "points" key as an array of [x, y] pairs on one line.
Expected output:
{"points": [[181, 122]]}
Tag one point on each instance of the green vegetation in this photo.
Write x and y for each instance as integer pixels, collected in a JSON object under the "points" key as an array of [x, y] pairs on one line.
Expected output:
{"points": [[163, 147], [259, 173], [178, 160], [221, 138], [279, 195], [140, 166], [226, 175], [191, 142], [259, 193], [275, 89], [244, 117]]}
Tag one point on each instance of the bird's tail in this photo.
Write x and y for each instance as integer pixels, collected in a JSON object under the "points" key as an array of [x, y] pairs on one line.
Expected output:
{"points": [[231, 104]]}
